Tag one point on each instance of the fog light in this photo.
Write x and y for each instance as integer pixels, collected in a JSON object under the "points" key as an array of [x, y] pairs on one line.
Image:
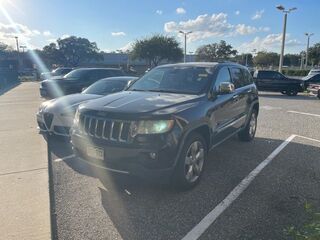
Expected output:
{"points": [[153, 155]]}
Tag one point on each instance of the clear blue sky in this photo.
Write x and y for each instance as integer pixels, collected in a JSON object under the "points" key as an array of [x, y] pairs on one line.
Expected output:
{"points": [[114, 24]]}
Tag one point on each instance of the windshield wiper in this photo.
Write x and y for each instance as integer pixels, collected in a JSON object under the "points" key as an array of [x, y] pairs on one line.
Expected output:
{"points": [[163, 90], [137, 90]]}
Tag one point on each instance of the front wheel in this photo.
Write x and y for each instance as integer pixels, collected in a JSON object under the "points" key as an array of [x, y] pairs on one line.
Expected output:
{"points": [[318, 94], [284, 92], [248, 133], [292, 92], [191, 162]]}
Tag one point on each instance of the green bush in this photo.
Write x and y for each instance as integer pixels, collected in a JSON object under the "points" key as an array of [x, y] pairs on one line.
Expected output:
{"points": [[310, 230], [292, 72]]}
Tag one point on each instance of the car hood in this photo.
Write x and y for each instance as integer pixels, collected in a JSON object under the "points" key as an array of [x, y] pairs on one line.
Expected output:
{"points": [[68, 103], [130, 103]]}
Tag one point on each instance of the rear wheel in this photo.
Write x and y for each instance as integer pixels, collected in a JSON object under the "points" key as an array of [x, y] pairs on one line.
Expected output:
{"points": [[291, 92], [284, 92], [191, 162], [248, 133], [318, 94]]}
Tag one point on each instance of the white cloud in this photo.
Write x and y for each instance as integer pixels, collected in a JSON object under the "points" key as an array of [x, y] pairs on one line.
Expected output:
{"points": [[64, 36], [47, 33], [271, 42], [206, 26], [118, 34], [237, 12], [257, 15], [180, 10], [52, 40], [127, 47], [159, 12], [23, 32], [36, 32]]}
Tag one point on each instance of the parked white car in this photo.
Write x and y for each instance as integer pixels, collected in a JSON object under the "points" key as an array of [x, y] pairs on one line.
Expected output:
{"points": [[55, 117]]}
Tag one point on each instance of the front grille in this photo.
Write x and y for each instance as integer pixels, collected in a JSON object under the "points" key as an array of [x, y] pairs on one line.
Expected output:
{"points": [[109, 129], [48, 117]]}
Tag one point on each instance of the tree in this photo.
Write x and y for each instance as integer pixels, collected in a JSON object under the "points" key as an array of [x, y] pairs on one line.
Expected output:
{"points": [[3, 47], [292, 60], [52, 55], [215, 51], [156, 49], [71, 51], [241, 59], [314, 54], [266, 59]]}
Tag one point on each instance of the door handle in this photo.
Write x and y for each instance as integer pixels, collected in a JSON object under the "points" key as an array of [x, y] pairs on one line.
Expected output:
{"points": [[235, 97]]}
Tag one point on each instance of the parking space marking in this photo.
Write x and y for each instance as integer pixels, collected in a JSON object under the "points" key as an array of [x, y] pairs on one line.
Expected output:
{"points": [[308, 138], [304, 113], [64, 158], [201, 227]]}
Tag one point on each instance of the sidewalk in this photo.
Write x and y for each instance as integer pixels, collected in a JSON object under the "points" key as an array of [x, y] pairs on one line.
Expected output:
{"points": [[24, 183]]}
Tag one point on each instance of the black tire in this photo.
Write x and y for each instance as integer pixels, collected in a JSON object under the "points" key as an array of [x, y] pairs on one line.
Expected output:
{"points": [[318, 94], [247, 134], [179, 177], [292, 92], [284, 92]]}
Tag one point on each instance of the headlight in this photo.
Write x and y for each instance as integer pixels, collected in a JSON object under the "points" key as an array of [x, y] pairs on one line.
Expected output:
{"points": [[151, 127], [76, 118]]}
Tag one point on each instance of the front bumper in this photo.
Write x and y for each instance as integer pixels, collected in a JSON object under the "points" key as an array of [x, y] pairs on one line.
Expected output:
{"points": [[59, 126], [313, 91], [151, 160]]}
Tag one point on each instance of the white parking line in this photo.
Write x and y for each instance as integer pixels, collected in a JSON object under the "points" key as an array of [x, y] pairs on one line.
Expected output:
{"points": [[64, 158], [201, 227], [304, 113], [308, 138]]}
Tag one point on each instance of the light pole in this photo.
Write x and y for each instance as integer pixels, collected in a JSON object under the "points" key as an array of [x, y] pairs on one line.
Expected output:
{"points": [[185, 43], [23, 48], [285, 11], [308, 41], [17, 43]]}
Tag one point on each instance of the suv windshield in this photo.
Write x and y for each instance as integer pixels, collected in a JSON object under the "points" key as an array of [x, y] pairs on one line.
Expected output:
{"points": [[182, 79], [105, 87]]}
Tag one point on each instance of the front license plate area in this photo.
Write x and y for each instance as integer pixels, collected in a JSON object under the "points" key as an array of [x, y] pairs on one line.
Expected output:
{"points": [[95, 152]]}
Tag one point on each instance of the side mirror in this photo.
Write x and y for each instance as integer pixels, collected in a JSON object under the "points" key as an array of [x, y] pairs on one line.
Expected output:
{"points": [[226, 88]]}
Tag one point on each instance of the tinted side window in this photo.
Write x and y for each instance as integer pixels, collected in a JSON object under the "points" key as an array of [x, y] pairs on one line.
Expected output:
{"points": [[237, 77], [267, 75], [116, 73], [223, 76], [247, 77]]}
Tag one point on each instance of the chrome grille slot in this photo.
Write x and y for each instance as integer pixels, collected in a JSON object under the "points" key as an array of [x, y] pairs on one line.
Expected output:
{"points": [[113, 130]]}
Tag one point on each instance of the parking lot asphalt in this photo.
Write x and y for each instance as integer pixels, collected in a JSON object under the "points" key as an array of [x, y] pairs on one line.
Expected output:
{"points": [[92, 204]]}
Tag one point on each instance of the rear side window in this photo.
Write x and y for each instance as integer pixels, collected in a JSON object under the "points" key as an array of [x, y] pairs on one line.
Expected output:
{"points": [[223, 76], [237, 77]]}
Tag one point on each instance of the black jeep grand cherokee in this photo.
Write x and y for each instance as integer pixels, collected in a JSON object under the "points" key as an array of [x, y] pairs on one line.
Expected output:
{"points": [[164, 125]]}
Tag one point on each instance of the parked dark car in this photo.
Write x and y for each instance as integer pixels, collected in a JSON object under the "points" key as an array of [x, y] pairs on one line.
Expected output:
{"points": [[61, 71], [311, 79], [314, 89], [75, 81], [163, 126], [273, 81]]}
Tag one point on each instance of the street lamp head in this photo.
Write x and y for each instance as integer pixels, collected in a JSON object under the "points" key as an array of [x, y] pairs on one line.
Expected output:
{"points": [[181, 32], [189, 32], [292, 9], [280, 7]]}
